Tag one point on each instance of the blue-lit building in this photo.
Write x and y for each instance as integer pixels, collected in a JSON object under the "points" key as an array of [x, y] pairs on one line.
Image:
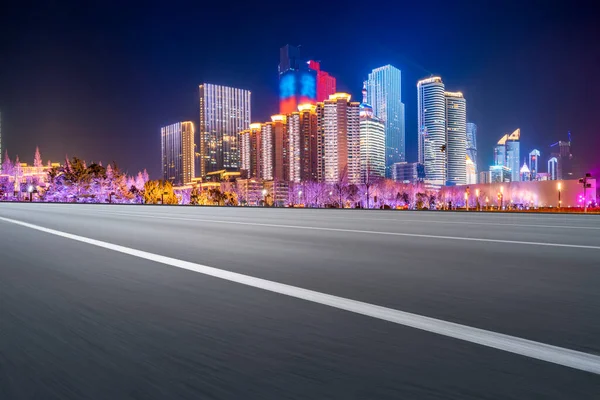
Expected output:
{"points": [[297, 82], [384, 94]]}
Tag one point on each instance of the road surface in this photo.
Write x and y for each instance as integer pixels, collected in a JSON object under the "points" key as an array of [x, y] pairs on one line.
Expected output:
{"points": [[151, 302]]}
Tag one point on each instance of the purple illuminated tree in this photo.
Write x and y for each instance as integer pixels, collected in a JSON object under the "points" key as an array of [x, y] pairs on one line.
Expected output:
{"points": [[7, 165]]}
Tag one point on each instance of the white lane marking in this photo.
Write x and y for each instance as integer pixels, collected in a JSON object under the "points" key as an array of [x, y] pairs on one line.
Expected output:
{"points": [[316, 228], [528, 348]]}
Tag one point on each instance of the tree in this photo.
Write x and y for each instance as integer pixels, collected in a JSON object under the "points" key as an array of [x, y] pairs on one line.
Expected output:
{"points": [[159, 192], [341, 186], [37, 160], [17, 169]]}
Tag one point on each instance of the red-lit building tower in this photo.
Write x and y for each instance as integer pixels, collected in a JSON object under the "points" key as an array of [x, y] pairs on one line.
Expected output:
{"points": [[326, 84]]}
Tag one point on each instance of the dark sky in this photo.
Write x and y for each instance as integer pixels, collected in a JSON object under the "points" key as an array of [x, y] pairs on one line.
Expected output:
{"points": [[98, 81]]}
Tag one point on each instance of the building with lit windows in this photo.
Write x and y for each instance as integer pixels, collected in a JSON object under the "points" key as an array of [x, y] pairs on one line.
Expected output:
{"points": [[456, 138], [372, 143], [470, 171], [178, 150], [561, 150], [384, 94], [534, 157], [224, 113], [326, 84], [525, 173], [553, 169], [340, 122], [250, 150], [431, 105], [500, 173], [407, 172], [274, 149], [472, 143], [310, 143], [507, 153]]}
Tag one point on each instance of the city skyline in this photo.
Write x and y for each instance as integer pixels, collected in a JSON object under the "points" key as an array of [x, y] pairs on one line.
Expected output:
{"points": [[58, 117]]}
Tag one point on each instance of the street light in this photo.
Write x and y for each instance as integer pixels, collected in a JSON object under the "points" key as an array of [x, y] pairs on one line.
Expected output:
{"points": [[467, 201], [501, 197], [477, 195], [30, 191], [559, 186], [487, 203], [264, 193]]}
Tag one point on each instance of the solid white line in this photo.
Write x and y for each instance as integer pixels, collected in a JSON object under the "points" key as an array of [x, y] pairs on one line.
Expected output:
{"points": [[316, 228], [529, 348]]}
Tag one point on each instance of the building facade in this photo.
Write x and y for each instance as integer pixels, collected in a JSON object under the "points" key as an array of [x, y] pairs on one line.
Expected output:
{"points": [[372, 143], [341, 139], [534, 158], [384, 94], [178, 151], [224, 113], [250, 151], [553, 169], [297, 82], [310, 143], [472, 143], [456, 138], [407, 172], [326, 84], [513, 154], [431, 105], [471, 171], [500, 173]]}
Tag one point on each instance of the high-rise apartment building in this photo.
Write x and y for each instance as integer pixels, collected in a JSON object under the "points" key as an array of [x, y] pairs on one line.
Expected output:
{"points": [[297, 82], [372, 143], [472, 143], [274, 149], [177, 149], [340, 121], [224, 113], [310, 143], [456, 138], [326, 84], [384, 94], [534, 158], [250, 150], [431, 104]]}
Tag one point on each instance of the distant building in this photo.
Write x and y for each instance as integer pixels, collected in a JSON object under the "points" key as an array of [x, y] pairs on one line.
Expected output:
{"points": [[408, 172], [297, 82], [507, 153], [326, 84], [525, 173], [310, 143], [384, 94], [484, 177], [472, 143], [274, 149], [471, 171], [553, 169], [224, 113], [561, 150], [372, 143], [456, 138], [432, 129], [500, 173], [177, 150], [340, 121], [534, 157], [250, 150]]}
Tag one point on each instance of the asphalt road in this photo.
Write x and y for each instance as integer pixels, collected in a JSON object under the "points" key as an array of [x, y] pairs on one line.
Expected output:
{"points": [[81, 318]]}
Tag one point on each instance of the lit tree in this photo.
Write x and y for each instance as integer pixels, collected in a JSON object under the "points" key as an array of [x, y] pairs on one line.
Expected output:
{"points": [[7, 165], [37, 161]]}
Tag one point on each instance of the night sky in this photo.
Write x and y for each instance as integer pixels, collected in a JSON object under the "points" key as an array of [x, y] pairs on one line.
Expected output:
{"points": [[99, 81]]}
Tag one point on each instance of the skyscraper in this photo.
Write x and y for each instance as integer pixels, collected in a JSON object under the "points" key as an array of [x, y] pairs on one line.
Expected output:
{"points": [[274, 149], [513, 154], [500, 151], [224, 113], [525, 173], [297, 82], [341, 139], [310, 143], [472, 143], [471, 172], [456, 138], [561, 150], [384, 94], [326, 84], [372, 143], [553, 169], [250, 150], [534, 157], [177, 149], [431, 104]]}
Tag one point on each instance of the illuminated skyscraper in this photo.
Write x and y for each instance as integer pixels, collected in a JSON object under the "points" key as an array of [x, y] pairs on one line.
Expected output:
{"points": [[553, 169], [534, 158], [472, 143], [525, 173], [177, 148], [456, 138], [326, 84], [561, 150], [432, 129], [250, 150], [341, 139], [224, 113], [471, 172], [297, 82], [274, 149], [513, 154], [310, 143], [384, 94], [372, 143]]}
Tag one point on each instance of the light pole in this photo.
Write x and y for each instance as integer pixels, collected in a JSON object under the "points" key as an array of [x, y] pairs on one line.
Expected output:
{"points": [[477, 195], [300, 195], [264, 193], [487, 203], [559, 186], [30, 191], [467, 201], [501, 197]]}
